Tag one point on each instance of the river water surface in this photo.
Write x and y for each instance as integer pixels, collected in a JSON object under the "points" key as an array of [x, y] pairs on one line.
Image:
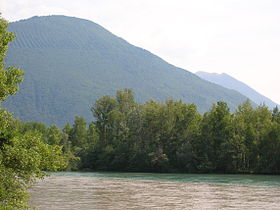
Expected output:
{"points": [[83, 191]]}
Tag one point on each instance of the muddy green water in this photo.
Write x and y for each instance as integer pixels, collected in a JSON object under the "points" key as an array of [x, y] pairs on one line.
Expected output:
{"points": [[84, 191]]}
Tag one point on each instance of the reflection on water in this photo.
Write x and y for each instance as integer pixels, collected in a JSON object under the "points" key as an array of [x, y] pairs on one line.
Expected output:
{"points": [[156, 191]]}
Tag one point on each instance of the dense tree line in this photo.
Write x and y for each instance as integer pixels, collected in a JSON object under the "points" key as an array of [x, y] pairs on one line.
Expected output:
{"points": [[23, 155], [174, 137], [170, 137]]}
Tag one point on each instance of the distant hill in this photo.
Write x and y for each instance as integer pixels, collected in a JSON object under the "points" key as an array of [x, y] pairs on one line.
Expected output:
{"points": [[227, 81], [70, 62]]}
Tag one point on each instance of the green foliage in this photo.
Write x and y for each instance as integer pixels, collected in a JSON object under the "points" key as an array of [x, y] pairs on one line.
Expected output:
{"points": [[174, 137], [54, 135], [276, 115], [168, 137], [11, 76], [70, 63], [23, 153], [215, 134], [23, 157], [78, 134]]}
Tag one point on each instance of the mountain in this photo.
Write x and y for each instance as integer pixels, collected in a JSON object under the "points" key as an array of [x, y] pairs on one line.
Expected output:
{"points": [[70, 62], [228, 81]]}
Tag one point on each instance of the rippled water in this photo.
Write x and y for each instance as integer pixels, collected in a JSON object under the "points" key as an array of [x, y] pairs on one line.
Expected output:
{"points": [[156, 191]]}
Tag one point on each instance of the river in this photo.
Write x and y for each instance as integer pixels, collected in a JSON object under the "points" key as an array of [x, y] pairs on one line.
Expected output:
{"points": [[84, 191]]}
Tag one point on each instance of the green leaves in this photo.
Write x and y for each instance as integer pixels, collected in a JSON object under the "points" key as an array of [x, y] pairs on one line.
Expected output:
{"points": [[173, 136], [5, 38], [11, 76], [23, 155], [22, 159]]}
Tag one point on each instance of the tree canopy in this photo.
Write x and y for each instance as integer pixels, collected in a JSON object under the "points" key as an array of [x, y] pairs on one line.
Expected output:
{"points": [[175, 137]]}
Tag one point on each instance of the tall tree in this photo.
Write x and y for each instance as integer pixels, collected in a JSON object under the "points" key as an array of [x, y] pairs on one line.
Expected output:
{"points": [[102, 111], [215, 133], [23, 156], [78, 133], [276, 115], [54, 135]]}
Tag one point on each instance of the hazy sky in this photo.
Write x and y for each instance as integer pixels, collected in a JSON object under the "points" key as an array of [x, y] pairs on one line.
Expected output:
{"points": [[237, 37]]}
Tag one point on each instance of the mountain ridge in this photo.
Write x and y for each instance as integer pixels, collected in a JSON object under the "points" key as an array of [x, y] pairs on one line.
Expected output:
{"points": [[70, 62], [230, 82]]}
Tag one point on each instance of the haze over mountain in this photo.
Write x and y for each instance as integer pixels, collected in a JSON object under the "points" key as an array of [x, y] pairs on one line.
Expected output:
{"points": [[70, 62], [230, 82]]}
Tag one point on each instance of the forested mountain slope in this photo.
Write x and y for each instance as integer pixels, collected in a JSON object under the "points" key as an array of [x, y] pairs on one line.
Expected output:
{"points": [[228, 81], [70, 62]]}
